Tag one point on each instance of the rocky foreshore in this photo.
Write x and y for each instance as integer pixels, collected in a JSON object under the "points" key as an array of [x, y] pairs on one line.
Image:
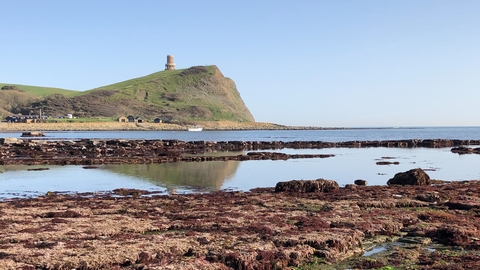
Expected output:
{"points": [[118, 151], [421, 224], [415, 227]]}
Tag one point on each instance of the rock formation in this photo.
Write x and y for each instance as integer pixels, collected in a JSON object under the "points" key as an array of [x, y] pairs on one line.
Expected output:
{"points": [[319, 185], [417, 177]]}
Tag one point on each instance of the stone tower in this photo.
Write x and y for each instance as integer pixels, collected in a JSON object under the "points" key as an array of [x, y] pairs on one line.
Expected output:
{"points": [[170, 65]]}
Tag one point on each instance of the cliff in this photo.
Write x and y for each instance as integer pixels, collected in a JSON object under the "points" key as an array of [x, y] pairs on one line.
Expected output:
{"points": [[199, 93]]}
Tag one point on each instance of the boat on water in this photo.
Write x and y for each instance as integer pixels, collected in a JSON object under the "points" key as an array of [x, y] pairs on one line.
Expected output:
{"points": [[195, 128]]}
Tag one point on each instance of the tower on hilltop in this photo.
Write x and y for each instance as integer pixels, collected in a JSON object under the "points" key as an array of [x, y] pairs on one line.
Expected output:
{"points": [[170, 65]]}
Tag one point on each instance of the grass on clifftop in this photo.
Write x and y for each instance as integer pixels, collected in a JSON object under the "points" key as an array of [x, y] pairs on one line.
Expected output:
{"points": [[192, 94], [164, 80], [41, 91]]}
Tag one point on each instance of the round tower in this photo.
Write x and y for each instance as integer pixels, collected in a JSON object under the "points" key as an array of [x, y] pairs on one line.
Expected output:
{"points": [[170, 65]]}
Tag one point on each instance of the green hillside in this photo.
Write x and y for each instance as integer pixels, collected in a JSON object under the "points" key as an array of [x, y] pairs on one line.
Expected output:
{"points": [[42, 91], [196, 93]]}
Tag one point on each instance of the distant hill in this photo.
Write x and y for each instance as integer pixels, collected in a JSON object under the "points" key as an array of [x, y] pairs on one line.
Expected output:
{"points": [[196, 93], [42, 91]]}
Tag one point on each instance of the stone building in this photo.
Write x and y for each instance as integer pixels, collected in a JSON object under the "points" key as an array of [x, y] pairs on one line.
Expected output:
{"points": [[170, 65]]}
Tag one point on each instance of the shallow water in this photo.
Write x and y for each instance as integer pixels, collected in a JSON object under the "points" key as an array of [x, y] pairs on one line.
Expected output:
{"points": [[347, 165], [337, 135]]}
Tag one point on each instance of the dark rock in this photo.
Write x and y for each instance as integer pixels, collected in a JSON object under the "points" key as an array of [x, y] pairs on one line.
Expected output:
{"points": [[319, 185], [90, 167], [33, 134], [462, 150], [416, 177], [145, 257], [61, 214], [3, 255], [38, 169], [360, 182], [351, 186], [429, 197], [10, 87], [387, 163], [463, 205], [128, 192]]}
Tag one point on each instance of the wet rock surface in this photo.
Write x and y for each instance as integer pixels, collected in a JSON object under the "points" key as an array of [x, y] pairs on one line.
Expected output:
{"points": [[261, 229], [462, 150], [95, 152], [33, 134], [360, 182], [319, 185], [416, 177]]}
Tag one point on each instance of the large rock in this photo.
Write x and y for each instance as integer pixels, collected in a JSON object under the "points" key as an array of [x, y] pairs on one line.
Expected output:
{"points": [[416, 177], [9, 140], [319, 185]]}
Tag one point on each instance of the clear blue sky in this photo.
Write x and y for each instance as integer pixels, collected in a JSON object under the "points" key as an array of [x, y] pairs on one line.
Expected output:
{"points": [[308, 62]]}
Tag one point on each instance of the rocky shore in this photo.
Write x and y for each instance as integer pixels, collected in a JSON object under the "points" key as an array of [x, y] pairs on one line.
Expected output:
{"points": [[315, 224], [416, 227], [94, 152]]}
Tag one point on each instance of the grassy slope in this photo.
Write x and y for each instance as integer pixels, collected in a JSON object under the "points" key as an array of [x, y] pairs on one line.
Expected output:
{"points": [[43, 91], [133, 83], [168, 82], [174, 92]]}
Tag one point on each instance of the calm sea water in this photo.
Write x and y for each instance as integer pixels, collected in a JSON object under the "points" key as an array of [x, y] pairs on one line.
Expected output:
{"points": [[337, 135], [347, 165]]}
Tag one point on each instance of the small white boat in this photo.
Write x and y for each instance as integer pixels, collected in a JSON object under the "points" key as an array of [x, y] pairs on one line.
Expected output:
{"points": [[195, 128]]}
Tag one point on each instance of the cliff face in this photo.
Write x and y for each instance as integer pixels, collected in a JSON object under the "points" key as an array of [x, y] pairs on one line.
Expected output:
{"points": [[196, 93], [216, 92]]}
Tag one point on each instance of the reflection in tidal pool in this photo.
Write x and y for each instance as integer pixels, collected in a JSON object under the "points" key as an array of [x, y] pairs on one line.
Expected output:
{"points": [[347, 165], [202, 176]]}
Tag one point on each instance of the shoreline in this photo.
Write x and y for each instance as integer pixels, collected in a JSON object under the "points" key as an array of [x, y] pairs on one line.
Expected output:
{"points": [[206, 125], [432, 226], [117, 126]]}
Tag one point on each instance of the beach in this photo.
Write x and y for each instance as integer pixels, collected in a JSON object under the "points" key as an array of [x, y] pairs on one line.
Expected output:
{"points": [[105, 126]]}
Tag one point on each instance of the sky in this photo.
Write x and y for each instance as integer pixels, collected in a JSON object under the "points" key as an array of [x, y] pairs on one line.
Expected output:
{"points": [[338, 63]]}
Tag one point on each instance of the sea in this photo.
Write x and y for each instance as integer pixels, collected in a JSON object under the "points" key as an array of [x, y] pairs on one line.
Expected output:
{"points": [[347, 164]]}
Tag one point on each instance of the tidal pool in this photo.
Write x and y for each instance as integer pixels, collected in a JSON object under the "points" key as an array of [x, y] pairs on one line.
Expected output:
{"points": [[347, 165]]}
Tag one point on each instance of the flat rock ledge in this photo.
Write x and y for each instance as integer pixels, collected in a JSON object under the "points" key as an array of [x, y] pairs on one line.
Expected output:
{"points": [[57, 151], [261, 229]]}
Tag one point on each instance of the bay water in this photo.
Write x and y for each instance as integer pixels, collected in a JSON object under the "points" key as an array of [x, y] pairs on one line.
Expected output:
{"points": [[347, 165]]}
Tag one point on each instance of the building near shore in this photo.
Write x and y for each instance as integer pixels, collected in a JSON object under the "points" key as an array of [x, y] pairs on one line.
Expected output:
{"points": [[25, 118]]}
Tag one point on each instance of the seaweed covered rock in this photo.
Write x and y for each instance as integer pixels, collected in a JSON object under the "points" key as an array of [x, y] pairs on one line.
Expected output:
{"points": [[360, 182], [319, 185], [415, 177]]}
